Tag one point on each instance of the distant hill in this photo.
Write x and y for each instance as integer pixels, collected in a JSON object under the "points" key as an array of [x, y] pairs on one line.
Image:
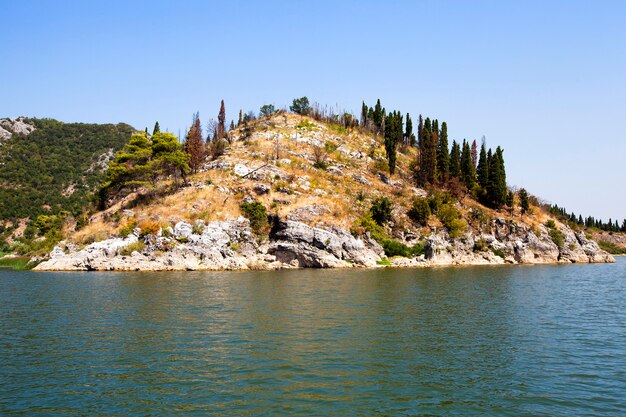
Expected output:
{"points": [[48, 167]]}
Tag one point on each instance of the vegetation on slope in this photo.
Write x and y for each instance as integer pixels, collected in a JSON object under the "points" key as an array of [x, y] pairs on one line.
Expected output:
{"points": [[50, 175]]}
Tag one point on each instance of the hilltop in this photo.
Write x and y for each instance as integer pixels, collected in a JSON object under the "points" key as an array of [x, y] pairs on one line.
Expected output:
{"points": [[293, 191]]}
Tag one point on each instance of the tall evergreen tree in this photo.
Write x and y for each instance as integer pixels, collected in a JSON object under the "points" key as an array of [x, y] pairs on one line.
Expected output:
{"points": [[157, 129], [420, 130], [393, 136], [455, 160], [474, 154], [496, 190], [194, 146], [409, 137], [364, 111], [378, 116], [221, 122], [483, 168], [428, 155], [443, 157], [468, 174], [240, 120]]}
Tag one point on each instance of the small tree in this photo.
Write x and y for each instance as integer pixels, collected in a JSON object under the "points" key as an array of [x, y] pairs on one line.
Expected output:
{"points": [[523, 200], [420, 211], [267, 110], [257, 214], [194, 146], [300, 106], [221, 122], [381, 210]]}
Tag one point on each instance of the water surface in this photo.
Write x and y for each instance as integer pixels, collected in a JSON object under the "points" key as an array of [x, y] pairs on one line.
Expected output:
{"points": [[470, 341]]}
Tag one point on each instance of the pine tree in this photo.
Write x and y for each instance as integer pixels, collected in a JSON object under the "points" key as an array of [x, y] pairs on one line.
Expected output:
{"points": [[240, 120], [455, 160], [483, 168], [221, 122], [523, 201], [157, 129], [443, 157], [194, 145]]}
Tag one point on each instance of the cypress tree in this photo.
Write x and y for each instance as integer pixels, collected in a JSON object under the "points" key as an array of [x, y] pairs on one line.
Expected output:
{"points": [[157, 129], [483, 168], [523, 201], [474, 154], [468, 175], [221, 122], [194, 145], [364, 111], [455, 160], [428, 155], [393, 136], [240, 121], [443, 157], [420, 129], [496, 190], [409, 137], [378, 116]]}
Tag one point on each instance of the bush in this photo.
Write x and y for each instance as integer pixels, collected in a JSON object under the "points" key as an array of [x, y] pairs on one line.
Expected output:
{"points": [[381, 210], [498, 252], [127, 250], [550, 224], [257, 214], [611, 248], [149, 227], [480, 245], [395, 248], [557, 237], [450, 218], [128, 228], [420, 211], [437, 199]]}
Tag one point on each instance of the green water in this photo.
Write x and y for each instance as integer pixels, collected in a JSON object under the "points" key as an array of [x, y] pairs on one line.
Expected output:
{"points": [[473, 341]]}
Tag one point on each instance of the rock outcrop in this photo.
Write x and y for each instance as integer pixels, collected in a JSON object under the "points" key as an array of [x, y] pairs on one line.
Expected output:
{"points": [[230, 245], [17, 125]]}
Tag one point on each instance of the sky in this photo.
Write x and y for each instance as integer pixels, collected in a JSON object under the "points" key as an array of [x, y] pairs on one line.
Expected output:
{"points": [[545, 80]]}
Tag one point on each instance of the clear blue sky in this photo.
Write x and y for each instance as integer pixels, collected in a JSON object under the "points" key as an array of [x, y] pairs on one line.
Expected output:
{"points": [[546, 80]]}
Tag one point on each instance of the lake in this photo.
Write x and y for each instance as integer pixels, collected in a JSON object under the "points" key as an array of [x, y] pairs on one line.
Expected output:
{"points": [[466, 341]]}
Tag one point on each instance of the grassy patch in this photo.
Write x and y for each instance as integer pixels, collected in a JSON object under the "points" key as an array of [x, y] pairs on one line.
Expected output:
{"points": [[132, 247], [611, 248], [20, 263], [384, 261]]}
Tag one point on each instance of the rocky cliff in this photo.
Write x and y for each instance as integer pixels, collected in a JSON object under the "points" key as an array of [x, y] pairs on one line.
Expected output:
{"points": [[291, 244]]}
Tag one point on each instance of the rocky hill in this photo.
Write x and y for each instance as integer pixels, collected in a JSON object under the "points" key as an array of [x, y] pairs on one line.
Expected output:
{"points": [[317, 183]]}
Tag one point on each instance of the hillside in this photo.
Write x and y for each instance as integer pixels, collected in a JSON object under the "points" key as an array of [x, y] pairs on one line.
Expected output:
{"points": [[322, 185], [50, 168]]}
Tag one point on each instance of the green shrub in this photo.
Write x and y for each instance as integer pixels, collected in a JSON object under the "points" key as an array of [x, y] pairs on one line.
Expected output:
{"points": [[611, 248], [128, 228], [498, 252], [420, 211], [395, 248], [557, 237], [438, 199], [197, 228], [480, 245], [450, 218], [381, 210], [550, 224], [257, 214]]}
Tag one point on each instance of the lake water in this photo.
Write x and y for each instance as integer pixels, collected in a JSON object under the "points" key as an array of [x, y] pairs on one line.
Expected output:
{"points": [[470, 341]]}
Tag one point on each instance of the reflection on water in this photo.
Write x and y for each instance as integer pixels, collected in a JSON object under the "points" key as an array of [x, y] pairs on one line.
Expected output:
{"points": [[449, 341]]}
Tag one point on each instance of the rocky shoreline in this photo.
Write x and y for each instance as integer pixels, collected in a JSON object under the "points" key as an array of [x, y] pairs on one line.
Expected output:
{"points": [[231, 245]]}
